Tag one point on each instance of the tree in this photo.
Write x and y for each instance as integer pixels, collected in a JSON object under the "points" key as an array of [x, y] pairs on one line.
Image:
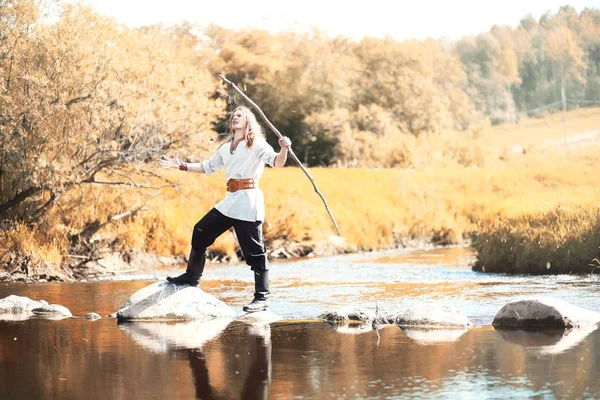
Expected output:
{"points": [[85, 96]]}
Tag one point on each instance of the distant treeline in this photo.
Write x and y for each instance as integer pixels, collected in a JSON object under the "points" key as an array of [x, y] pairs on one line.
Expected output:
{"points": [[345, 102]]}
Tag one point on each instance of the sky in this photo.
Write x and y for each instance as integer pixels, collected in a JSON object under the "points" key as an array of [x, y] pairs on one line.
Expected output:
{"points": [[399, 19]]}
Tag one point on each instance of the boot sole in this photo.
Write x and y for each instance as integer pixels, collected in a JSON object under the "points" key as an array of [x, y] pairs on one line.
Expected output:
{"points": [[253, 311], [174, 282]]}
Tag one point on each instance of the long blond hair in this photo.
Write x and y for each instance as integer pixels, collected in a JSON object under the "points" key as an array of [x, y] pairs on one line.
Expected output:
{"points": [[252, 128]]}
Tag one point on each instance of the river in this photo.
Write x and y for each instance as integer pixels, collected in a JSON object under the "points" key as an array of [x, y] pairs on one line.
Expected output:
{"points": [[301, 356]]}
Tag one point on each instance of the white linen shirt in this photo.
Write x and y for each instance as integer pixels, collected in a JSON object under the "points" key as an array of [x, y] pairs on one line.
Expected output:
{"points": [[247, 204]]}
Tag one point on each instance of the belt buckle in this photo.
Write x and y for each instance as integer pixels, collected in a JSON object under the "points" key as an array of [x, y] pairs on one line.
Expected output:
{"points": [[233, 185]]}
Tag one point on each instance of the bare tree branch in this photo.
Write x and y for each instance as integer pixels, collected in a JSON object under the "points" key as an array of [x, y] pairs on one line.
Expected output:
{"points": [[18, 198]]}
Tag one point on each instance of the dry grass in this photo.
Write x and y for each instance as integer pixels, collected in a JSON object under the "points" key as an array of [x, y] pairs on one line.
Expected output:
{"points": [[557, 237]]}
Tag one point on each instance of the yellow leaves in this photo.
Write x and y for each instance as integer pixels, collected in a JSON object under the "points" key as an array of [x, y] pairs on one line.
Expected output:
{"points": [[562, 48]]}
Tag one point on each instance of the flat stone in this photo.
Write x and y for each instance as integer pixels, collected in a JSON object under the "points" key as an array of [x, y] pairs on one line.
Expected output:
{"points": [[164, 301], [92, 316], [52, 311], [433, 316], [19, 308], [351, 314], [543, 312]]}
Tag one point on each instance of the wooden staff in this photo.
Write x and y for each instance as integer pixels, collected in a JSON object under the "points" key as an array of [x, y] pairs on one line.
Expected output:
{"points": [[270, 125]]}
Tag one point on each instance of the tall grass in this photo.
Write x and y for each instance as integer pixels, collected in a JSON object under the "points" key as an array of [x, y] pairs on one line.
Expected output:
{"points": [[552, 236]]}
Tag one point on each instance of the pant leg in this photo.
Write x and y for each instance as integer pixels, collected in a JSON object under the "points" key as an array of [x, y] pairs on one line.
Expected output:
{"points": [[250, 237], [207, 230]]}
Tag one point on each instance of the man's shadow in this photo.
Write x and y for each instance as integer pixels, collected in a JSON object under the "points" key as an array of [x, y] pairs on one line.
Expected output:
{"points": [[256, 383]]}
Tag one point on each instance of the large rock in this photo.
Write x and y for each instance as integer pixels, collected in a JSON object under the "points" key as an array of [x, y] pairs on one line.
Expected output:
{"points": [[18, 308], [15, 305], [543, 313], [164, 301], [163, 337], [433, 316]]}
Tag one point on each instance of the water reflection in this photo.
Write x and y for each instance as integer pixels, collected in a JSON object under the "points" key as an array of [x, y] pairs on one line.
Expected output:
{"points": [[454, 256], [547, 342], [76, 358], [431, 336], [257, 376], [352, 329], [80, 359], [186, 340], [163, 337]]}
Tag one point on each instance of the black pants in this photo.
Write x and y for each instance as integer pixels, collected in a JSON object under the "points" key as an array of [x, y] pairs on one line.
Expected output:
{"points": [[249, 235]]}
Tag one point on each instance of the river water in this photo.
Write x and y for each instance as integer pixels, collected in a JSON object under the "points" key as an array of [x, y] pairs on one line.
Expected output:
{"points": [[301, 356]]}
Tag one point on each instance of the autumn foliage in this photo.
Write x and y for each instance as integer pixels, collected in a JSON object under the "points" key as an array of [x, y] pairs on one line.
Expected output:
{"points": [[87, 105]]}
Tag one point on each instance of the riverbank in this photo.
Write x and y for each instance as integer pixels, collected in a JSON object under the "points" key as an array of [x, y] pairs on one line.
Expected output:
{"points": [[375, 210]]}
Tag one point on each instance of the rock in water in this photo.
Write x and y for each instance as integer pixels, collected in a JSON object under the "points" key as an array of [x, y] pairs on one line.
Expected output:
{"points": [[19, 305], [164, 301], [542, 313], [17, 308], [52, 311], [349, 314], [433, 316]]}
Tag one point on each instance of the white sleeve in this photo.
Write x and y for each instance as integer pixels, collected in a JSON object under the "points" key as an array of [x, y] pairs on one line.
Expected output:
{"points": [[213, 164], [265, 152]]}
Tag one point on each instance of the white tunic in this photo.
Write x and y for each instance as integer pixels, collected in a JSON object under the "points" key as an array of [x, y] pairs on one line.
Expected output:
{"points": [[247, 204]]}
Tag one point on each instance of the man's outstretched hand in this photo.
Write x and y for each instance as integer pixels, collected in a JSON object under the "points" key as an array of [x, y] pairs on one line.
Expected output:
{"points": [[168, 162]]}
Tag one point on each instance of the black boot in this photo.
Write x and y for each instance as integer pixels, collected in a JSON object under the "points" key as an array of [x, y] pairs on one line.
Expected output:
{"points": [[261, 292], [194, 270]]}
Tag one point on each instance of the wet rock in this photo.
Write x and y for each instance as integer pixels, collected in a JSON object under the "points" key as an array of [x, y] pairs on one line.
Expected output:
{"points": [[19, 304], [162, 337], [92, 316], [52, 311], [433, 316], [18, 308], [352, 314], [259, 318], [542, 313], [113, 315], [166, 301]]}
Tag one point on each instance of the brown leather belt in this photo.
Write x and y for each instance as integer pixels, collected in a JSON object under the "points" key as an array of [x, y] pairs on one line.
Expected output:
{"points": [[233, 185]]}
